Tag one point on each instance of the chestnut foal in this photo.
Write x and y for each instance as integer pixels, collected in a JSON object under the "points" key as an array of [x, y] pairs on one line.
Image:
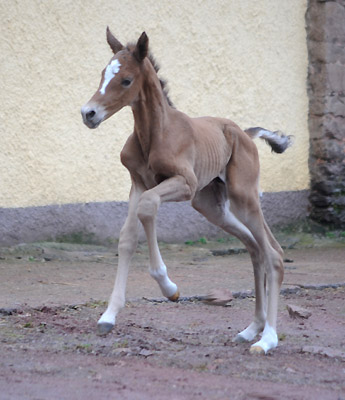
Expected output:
{"points": [[172, 157]]}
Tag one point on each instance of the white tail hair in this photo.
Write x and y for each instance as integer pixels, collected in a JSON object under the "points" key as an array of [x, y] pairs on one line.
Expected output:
{"points": [[277, 140]]}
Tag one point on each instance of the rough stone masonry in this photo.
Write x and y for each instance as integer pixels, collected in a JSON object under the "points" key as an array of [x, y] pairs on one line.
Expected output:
{"points": [[325, 21]]}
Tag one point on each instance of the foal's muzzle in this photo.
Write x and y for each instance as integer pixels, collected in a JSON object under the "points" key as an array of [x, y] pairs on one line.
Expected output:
{"points": [[92, 116]]}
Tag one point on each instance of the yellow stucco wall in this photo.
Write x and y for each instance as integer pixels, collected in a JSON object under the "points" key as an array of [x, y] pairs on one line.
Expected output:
{"points": [[245, 60]]}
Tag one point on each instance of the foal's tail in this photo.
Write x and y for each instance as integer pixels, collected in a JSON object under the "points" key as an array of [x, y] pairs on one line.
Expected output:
{"points": [[278, 141]]}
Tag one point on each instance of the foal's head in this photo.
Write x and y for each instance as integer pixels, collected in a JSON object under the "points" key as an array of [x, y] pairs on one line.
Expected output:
{"points": [[121, 81]]}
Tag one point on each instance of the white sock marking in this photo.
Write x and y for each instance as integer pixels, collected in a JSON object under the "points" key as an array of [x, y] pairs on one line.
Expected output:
{"points": [[249, 333], [160, 275], [269, 339], [107, 317]]}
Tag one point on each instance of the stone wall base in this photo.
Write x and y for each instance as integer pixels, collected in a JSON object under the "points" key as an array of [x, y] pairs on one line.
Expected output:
{"points": [[102, 222]]}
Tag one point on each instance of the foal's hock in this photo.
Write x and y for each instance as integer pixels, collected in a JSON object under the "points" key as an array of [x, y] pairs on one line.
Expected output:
{"points": [[172, 157]]}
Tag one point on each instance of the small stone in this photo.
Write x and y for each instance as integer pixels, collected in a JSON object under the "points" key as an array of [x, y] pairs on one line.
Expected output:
{"points": [[298, 312], [146, 353], [324, 351], [122, 350], [8, 311], [218, 297]]}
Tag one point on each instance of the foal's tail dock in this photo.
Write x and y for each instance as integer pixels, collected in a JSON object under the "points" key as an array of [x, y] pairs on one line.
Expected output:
{"points": [[277, 140]]}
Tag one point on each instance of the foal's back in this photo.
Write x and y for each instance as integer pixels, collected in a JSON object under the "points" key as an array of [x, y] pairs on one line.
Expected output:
{"points": [[213, 141]]}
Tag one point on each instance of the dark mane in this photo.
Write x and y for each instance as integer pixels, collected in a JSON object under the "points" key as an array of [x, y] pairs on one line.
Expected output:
{"points": [[156, 67], [162, 81]]}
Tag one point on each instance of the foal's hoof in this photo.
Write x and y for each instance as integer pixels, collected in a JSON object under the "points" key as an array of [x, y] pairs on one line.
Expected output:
{"points": [[104, 328], [257, 350], [239, 339], [175, 297]]}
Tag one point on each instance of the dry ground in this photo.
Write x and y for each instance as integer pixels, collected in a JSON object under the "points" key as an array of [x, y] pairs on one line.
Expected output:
{"points": [[51, 296]]}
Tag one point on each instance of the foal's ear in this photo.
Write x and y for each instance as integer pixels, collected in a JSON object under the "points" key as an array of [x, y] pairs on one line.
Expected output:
{"points": [[114, 44], [142, 47]]}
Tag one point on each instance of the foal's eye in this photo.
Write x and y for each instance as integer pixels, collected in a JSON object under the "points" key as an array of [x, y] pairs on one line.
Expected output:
{"points": [[126, 82]]}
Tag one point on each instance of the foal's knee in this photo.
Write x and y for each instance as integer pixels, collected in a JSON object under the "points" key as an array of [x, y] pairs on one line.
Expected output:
{"points": [[148, 206], [127, 244]]}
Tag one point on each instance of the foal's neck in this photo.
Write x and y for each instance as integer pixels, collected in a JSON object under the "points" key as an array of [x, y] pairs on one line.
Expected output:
{"points": [[150, 110]]}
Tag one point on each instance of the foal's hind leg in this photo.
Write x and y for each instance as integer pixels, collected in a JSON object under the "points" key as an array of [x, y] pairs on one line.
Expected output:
{"points": [[247, 209], [212, 202], [242, 177]]}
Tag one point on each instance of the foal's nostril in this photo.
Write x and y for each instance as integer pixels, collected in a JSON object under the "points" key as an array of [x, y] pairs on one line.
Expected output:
{"points": [[89, 115]]}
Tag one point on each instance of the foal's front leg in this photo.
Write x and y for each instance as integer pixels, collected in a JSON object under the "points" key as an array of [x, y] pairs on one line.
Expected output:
{"points": [[127, 245], [173, 189]]}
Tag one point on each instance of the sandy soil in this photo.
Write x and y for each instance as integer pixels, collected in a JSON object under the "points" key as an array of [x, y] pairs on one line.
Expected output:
{"points": [[51, 296]]}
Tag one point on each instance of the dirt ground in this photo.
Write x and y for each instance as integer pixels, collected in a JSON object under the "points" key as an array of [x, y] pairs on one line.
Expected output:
{"points": [[52, 294]]}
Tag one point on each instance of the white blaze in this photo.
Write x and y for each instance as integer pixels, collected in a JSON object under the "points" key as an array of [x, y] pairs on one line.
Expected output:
{"points": [[112, 69]]}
